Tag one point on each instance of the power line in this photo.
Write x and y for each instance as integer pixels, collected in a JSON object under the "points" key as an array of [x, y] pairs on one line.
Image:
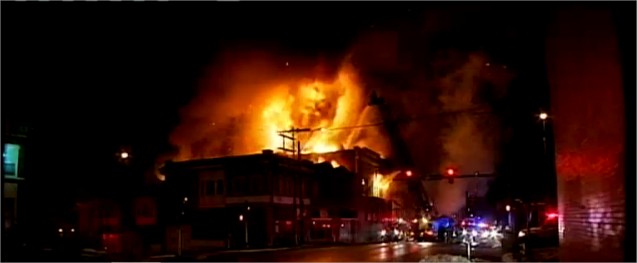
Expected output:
{"points": [[399, 121]]}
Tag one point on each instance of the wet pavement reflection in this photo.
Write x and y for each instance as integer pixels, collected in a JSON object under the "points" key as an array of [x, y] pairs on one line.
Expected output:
{"points": [[385, 252]]}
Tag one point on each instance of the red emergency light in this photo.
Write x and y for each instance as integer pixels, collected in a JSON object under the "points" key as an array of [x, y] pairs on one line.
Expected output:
{"points": [[408, 173], [552, 215], [450, 172]]}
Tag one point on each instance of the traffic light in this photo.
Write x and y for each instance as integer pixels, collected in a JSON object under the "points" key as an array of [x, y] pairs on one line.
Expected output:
{"points": [[450, 173]]}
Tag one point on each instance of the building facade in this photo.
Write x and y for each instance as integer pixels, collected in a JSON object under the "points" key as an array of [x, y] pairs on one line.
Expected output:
{"points": [[366, 194], [14, 174], [590, 120], [130, 230], [267, 199], [344, 212], [258, 200]]}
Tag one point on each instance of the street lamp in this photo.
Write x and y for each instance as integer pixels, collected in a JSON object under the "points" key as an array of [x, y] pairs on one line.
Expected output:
{"points": [[180, 221], [508, 209], [123, 156], [543, 117], [245, 228]]}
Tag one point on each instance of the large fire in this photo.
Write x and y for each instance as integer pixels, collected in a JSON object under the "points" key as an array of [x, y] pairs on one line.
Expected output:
{"points": [[318, 106], [244, 112], [381, 184]]}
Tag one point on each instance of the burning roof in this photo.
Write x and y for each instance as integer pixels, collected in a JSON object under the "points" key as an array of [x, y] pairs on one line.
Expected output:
{"points": [[247, 119]]}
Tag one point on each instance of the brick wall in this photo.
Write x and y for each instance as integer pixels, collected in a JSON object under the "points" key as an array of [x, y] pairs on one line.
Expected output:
{"points": [[589, 127]]}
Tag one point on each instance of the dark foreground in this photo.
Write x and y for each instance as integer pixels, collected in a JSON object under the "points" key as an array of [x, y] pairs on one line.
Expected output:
{"points": [[387, 252]]}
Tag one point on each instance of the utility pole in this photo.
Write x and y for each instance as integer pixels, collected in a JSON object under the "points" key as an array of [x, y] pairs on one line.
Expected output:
{"points": [[295, 179], [302, 206], [292, 138]]}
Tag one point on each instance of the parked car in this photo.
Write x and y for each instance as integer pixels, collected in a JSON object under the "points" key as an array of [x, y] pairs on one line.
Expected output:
{"points": [[543, 236]]}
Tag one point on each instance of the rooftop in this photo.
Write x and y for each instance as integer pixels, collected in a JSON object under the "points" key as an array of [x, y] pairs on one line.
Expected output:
{"points": [[266, 155]]}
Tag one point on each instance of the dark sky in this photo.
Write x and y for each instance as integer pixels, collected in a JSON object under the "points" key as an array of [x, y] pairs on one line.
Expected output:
{"points": [[90, 78]]}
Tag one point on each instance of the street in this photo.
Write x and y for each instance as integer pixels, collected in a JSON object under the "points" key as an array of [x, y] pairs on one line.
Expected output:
{"points": [[385, 252]]}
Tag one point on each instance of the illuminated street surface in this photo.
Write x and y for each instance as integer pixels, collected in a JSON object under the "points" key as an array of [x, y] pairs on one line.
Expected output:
{"points": [[386, 252]]}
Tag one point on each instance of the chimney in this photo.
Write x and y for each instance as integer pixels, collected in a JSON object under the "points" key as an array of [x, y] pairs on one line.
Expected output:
{"points": [[267, 152]]}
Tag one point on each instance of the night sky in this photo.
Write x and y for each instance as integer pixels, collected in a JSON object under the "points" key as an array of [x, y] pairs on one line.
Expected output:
{"points": [[91, 78]]}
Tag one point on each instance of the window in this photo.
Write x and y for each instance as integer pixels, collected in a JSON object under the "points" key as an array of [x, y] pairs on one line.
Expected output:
{"points": [[145, 211], [281, 186], [220, 187], [289, 181], [273, 184], [10, 158], [240, 185], [250, 185], [210, 188], [107, 211], [303, 192], [257, 185]]}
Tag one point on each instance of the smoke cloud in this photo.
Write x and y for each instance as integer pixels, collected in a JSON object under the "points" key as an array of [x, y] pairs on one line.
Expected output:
{"points": [[449, 90], [468, 141]]}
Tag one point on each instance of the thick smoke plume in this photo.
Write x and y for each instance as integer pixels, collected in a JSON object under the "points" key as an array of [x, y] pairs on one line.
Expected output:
{"points": [[471, 136]]}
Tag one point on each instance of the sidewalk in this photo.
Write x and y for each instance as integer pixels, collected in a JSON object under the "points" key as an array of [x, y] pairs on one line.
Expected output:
{"points": [[535, 255], [202, 255]]}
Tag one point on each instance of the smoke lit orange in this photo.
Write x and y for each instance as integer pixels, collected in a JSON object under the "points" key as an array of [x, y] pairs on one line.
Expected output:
{"points": [[254, 103], [318, 106]]}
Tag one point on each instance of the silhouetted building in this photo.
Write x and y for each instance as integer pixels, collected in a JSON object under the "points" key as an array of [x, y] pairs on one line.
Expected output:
{"points": [[343, 211], [596, 187], [237, 201], [361, 207], [131, 229], [214, 202], [14, 174]]}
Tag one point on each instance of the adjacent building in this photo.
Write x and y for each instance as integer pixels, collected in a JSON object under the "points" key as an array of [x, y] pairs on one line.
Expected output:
{"points": [[591, 101], [14, 142], [123, 226], [354, 200]]}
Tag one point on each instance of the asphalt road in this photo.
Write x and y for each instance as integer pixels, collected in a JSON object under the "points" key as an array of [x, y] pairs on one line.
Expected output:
{"points": [[386, 252]]}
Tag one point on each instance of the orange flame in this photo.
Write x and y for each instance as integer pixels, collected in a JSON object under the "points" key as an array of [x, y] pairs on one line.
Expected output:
{"points": [[318, 106], [247, 106]]}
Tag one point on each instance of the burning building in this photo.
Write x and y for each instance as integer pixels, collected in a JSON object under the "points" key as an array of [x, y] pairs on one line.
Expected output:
{"points": [[366, 164], [335, 124], [268, 199], [367, 193]]}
